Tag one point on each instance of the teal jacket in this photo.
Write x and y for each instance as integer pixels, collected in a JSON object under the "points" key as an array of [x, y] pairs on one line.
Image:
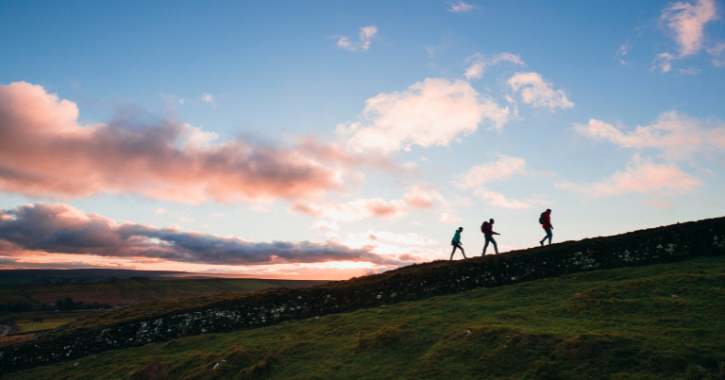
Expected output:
{"points": [[456, 237]]}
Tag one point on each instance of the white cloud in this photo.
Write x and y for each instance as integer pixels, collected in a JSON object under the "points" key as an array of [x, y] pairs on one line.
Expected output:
{"points": [[690, 71], [160, 211], [718, 51], [462, 7], [640, 176], [685, 24], [679, 137], [366, 35], [325, 226], [538, 92], [479, 63], [449, 218], [429, 113], [505, 167], [623, 50], [209, 98], [493, 198], [216, 215]]}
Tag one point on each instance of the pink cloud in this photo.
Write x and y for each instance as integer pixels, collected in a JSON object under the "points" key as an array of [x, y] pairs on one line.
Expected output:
{"points": [[685, 23], [641, 176], [46, 152], [433, 112], [538, 92], [677, 136], [365, 208]]}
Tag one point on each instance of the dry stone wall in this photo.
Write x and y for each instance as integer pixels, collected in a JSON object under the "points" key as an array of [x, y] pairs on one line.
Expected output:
{"points": [[654, 246]]}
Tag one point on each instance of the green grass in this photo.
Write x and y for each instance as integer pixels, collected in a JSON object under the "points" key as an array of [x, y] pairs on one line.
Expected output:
{"points": [[37, 320], [609, 324]]}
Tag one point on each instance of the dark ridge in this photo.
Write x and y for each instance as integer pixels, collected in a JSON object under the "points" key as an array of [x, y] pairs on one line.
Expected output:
{"points": [[136, 327]]}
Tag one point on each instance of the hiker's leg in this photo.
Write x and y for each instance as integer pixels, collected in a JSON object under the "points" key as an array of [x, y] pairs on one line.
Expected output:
{"points": [[548, 235], [462, 251], [495, 246], [452, 252], [484, 247]]}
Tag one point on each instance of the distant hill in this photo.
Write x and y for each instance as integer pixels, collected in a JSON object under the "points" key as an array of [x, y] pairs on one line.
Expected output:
{"points": [[44, 276], [137, 287]]}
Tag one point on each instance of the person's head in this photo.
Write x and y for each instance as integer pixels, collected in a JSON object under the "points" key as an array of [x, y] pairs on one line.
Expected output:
{"points": [[460, 228], [490, 221], [548, 210]]}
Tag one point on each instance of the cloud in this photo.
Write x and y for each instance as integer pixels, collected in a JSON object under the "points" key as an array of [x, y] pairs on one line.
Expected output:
{"points": [[160, 211], [623, 50], [60, 228], [685, 24], [479, 63], [449, 218], [538, 92], [461, 7], [324, 225], [718, 51], [641, 176], [365, 208], [690, 71], [46, 152], [404, 247], [366, 35], [493, 198], [505, 167], [430, 113], [679, 137], [207, 98]]}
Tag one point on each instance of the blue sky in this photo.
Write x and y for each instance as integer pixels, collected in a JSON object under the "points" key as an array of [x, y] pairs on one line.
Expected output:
{"points": [[215, 122]]}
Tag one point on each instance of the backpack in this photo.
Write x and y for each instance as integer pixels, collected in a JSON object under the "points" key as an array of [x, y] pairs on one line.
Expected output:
{"points": [[542, 219], [483, 227]]}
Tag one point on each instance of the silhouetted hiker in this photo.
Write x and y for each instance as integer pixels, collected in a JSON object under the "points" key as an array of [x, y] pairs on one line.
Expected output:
{"points": [[456, 243], [545, 220], [488, 233]]}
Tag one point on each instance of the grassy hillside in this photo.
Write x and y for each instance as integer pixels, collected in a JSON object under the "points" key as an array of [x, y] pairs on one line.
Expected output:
{"points": [[662, 321]]}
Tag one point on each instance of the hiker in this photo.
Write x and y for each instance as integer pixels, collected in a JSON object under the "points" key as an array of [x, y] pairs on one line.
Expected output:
{"points": [[487, 229], [545, 220], [456, 243]]}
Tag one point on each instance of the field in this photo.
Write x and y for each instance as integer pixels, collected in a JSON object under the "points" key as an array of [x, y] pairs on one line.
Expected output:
{"points": [[35, 321], [662, 321], [128, 292]]}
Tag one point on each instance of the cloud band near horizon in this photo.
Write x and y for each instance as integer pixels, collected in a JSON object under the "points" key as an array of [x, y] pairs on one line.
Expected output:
{"points": [[61, 228]]}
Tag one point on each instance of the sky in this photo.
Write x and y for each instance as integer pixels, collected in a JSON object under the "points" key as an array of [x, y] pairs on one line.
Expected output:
{"points": [[328, 139]]}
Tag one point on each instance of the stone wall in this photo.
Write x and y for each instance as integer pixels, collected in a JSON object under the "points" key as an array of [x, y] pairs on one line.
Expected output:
{"points": [[654, 246]]}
